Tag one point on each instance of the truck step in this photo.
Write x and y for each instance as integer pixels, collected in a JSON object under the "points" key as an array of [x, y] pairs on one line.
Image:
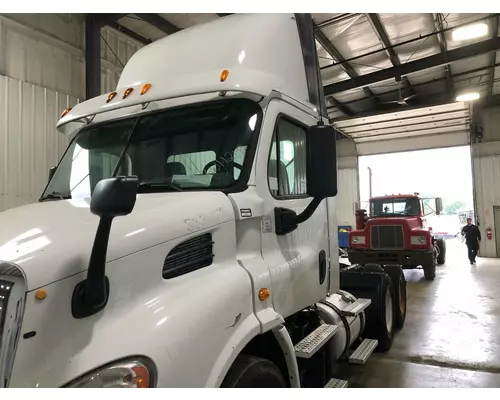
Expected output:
{"points": [[336, 384], [355, 308], [308, 346], [364, 350]]}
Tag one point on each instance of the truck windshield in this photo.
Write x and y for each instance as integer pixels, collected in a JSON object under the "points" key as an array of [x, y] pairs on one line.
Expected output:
{"points": [[200, 147], [395, 207]]}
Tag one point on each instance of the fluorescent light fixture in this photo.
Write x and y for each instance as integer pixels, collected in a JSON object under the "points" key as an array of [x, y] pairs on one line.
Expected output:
{"points": [[468, 97], [470, 32]]}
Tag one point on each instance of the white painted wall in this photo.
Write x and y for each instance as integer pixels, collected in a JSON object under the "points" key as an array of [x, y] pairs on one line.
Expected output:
{"points": [[42, 71], [486, 170]]}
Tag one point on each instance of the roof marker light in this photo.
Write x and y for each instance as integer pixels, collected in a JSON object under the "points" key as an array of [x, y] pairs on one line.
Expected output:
{"points": [[66, 111], [145, 88], [224, 75], [127, 92], [111, 96]]}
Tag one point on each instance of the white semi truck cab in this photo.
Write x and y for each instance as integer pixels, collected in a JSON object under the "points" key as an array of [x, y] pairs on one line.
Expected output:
{"points": [[188, 238]]}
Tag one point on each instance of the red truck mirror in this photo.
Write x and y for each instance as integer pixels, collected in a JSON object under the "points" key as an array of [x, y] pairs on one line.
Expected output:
{"points": [[439, 205]]}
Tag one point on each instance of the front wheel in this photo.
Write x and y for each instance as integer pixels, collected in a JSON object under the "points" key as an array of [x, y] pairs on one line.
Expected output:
{"points": [[429, 271], [253, 372], [441, 258]]}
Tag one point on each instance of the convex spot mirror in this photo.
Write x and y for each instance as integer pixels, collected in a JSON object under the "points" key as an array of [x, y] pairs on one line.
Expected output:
{"points": [[321, 161], [114, 197]]}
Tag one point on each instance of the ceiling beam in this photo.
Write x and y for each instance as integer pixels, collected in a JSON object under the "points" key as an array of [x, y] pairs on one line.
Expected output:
{"points": [[335, 54], [493, 55], [436, 80], [433, 61], [104, 19], [383, 38], [438, 24], [159, 22], [130, 33]]}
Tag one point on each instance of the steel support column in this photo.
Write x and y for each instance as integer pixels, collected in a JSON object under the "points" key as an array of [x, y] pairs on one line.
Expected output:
{"points": [[92, 58]]}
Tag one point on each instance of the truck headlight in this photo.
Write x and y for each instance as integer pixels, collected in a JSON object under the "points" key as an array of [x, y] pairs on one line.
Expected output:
{"points": [[418, 240], [358, 240], [136, 373]]}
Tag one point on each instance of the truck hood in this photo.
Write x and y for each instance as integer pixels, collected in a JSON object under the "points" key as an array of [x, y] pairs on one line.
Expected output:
{"points": [[52, 240], [410, 222]]}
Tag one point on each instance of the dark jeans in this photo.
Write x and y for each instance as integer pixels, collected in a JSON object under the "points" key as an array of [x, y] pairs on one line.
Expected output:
{"points": [[473, 248]]}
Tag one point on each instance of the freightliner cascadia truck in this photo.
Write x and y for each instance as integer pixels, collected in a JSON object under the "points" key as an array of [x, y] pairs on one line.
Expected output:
{"points": [[187, 237]]}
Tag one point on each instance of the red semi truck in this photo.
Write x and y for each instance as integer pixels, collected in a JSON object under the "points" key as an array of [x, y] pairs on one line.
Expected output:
{"points": [[396, 233]]}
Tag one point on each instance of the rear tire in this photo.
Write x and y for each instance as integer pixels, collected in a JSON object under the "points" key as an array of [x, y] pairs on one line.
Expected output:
{"points": [[380, 317], [253, 372], [399, 285], [441, 244]]}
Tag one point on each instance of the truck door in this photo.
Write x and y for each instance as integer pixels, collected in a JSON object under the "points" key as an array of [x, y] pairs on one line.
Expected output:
{"points": [[298, 260]]}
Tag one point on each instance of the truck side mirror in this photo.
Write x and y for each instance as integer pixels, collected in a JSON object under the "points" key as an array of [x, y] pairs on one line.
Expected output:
{"points": [[114, 197], [321, 146], [52, 171], [321, 161], [439, 205], [111, 198]]}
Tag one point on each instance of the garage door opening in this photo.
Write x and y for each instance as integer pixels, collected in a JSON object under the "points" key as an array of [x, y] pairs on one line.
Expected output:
{"points": [[444, 173]]}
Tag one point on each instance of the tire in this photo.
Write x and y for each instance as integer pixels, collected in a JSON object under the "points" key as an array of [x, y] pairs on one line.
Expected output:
{"points": [[399, 285], [373, 268], [253, 372], [429, 271], [380, 320], [441, 244]]}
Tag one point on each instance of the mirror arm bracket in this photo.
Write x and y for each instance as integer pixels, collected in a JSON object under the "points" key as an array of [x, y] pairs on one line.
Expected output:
{"points": [[287, 220]]}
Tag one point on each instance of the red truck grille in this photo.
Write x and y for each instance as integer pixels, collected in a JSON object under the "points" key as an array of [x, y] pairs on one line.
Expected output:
{"points": [[387, 237]]}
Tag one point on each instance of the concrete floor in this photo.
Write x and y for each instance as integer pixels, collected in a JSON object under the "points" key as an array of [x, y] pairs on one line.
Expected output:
{"points": [[451, 337]]}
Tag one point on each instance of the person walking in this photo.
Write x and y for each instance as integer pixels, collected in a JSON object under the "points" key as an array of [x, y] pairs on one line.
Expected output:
{"points": [[472, 239]]}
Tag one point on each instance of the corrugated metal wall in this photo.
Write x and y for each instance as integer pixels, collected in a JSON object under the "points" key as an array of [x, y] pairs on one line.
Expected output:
{"points": [[29, 142], [486, 173], [41, 73], [486, 170]]}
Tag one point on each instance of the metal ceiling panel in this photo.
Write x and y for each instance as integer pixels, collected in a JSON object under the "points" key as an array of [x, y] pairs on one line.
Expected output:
{"points": [[353, 37], [134, 23], [184, 20], [350, 96], [402, 27], [470, 63], [334, 74]]}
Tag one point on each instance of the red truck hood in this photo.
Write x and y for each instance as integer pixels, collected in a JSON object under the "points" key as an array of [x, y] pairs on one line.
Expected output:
{"points": [[410, 222]]}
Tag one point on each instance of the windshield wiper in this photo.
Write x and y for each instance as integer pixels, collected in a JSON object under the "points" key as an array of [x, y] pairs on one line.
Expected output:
{"points": [[146, 186], [55, 196]]}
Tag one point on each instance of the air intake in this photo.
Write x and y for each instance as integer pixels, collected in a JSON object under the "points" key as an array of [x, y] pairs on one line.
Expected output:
{"points": [[189, 256]]}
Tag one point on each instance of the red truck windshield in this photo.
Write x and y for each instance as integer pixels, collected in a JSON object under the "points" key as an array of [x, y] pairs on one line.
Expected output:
{"points": [[390, 207]]}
